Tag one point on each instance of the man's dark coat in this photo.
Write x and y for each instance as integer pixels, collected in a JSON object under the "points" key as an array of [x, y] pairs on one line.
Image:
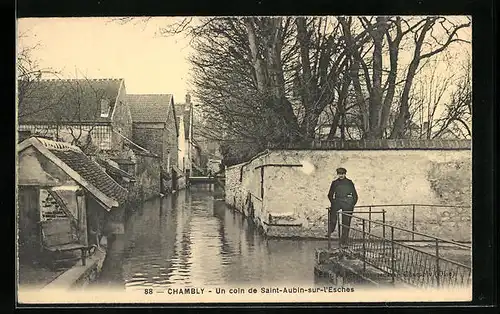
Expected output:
{"points": [[342, 193]]}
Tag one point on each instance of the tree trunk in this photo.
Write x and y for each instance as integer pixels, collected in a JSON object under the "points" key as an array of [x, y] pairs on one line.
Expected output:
{"points": [[255, 55], [391, 79], [270, 78], [375, 104], [360, 97], [306, 87], [353, 54], [334, 125], [404, 112]]}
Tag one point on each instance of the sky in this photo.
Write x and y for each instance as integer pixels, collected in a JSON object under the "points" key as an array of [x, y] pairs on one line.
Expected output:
{"points": [[102, 48], [149, 63]]}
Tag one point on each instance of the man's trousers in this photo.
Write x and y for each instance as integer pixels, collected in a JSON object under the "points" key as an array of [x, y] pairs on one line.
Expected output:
{"points": [[346, 220]]}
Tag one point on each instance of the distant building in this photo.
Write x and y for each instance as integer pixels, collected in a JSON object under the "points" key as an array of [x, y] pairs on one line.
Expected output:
{"points": [[155, 128], [183, 138], [189, 150], [77, 111]]}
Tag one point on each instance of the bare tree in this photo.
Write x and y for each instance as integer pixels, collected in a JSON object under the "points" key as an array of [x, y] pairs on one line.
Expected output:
{"points": [[29, 73], [266, 79], [426, 45], [274, 80], [428, 96], [75, 121], [457, 115], [377, 85]]}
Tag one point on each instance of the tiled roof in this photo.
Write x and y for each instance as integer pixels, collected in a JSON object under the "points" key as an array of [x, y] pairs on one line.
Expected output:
{"points": [[383, 144], [113, 169], [149, 107], [69, 100], [87, 169]]}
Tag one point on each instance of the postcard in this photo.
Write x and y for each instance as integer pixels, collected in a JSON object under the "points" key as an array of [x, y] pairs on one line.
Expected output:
{"points": [[244, 159]]}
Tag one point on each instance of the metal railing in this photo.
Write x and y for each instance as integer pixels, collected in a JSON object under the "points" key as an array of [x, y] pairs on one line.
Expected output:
{"points": [[414, 208], [370, 213], [431, 265]]}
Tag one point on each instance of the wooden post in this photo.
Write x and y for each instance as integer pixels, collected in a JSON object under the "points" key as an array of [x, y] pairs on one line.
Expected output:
{"points": [[413, 222], [262, 183], [329, 228], [364, 248], [82, 217], [339, 225], [369, 219], [84, 256], [38, 201], [393, 261], [437, 263], [383, 222], [383, 230]]}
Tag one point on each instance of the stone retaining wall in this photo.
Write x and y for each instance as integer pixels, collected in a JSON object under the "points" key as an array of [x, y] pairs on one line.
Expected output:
{"points": [[292, 188], [147, 176]]}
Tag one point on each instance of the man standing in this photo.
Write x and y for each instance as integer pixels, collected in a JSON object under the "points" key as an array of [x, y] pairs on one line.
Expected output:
{"points": [[342, 195]]}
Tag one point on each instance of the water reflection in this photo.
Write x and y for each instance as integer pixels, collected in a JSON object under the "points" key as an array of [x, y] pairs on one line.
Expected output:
{"points": [[191, 238]]}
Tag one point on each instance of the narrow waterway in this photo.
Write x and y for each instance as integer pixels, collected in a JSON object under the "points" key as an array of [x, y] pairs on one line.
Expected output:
{"points": [[193, 238]]}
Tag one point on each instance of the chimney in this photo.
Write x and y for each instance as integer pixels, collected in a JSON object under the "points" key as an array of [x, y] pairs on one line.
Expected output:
{"points": [[188, 99]]}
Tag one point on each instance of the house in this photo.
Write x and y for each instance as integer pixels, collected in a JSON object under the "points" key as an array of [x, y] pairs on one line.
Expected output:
{"points": [[155, 128], [184, 121], [191, 152], [183, 138], [93, 115], [214, 166], [210, 155], [78, 111], [66, 202]]}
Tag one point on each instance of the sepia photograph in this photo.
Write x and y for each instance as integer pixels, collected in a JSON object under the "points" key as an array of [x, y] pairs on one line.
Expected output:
{"points": [[243, 159]]}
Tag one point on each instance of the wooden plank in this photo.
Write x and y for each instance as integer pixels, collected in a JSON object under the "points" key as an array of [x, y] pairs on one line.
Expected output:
{"points": [[66, 247], [57, 240], [56, 226], [82, 220], [57, 232]]}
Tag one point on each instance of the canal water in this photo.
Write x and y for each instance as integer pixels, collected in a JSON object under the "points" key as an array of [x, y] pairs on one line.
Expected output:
{"points": [[192, 238]]}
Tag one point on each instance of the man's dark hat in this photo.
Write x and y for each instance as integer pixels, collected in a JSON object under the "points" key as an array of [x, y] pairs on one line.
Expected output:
{"points": [[341, 171]]}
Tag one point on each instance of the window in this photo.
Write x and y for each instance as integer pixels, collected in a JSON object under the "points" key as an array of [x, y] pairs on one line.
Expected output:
{"points": [[101, 136], [104, 108], [50, 207]]}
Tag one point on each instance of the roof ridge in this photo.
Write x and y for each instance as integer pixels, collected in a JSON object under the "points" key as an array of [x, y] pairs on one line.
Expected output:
{"points": [[80, 79], [148, 94], [63, 146]]}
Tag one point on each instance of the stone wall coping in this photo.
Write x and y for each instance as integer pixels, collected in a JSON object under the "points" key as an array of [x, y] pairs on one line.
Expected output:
{"points": [[242, 164], [382, 144], [362, 145]]}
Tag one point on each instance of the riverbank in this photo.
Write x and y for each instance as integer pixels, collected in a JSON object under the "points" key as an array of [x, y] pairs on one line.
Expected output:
{"points": [[79, 275], [45, 281], [36, 276]]}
